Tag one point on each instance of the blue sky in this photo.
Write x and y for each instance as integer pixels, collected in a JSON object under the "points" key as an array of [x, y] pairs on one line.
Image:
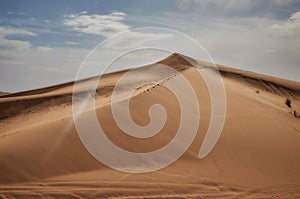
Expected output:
{"points": [[43, 42]]}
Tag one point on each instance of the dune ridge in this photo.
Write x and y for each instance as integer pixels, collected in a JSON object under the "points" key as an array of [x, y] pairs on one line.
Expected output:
{"points": [[3, 93], [63, 92]]}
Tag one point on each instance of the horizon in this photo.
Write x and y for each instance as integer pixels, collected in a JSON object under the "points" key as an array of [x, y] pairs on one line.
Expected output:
{"points": [[140, 66], [43, 44]]}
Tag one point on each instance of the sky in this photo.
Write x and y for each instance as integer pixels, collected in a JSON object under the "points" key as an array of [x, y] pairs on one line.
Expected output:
{"points": [[44, 42]]}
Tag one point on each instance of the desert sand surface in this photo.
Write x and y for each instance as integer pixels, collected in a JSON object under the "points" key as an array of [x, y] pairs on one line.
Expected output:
{"points": [[257, 155]]}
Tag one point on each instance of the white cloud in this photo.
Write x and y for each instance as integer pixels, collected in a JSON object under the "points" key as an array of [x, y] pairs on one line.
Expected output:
{"points": [[83, 12], [103, 25], [7, 45], [16, 13], [70, 43], [109, 25], [11, 49], [291, 25], [7, 31]]}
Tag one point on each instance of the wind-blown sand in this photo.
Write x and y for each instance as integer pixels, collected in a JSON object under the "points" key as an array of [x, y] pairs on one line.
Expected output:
{"points": [[257, 155]]}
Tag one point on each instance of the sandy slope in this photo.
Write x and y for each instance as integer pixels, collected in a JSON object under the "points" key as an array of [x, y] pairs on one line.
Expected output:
{"points": [[257, 155]]}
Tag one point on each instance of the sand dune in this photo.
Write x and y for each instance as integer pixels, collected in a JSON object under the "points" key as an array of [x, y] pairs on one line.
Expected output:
{"points": [[3, 93], [257, 155]]}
